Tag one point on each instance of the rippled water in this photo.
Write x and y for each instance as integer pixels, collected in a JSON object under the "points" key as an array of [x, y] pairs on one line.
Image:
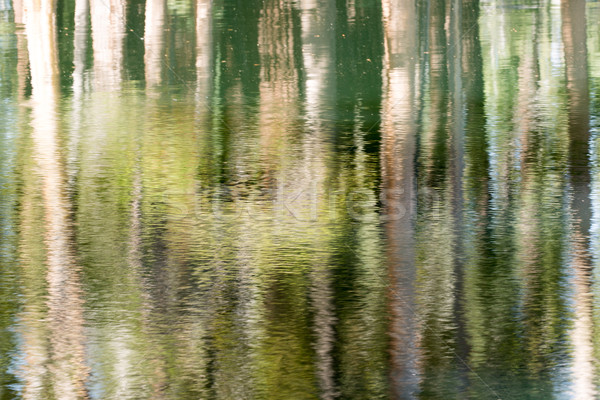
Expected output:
{"points": [[285, 199]]}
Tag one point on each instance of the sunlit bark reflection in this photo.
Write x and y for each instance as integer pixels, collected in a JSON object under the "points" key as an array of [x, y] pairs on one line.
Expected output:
{"points": [[398, 196], [204, 43], [80, 47], [279, 76], [108, 31], [65, 313], [530, 221], [22, 58], [318, 51], [82, 10], [154, 40], [574, 37]]}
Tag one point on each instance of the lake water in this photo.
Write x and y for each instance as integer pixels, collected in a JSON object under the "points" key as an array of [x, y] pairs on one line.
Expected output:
{"points": [[277, 199]]}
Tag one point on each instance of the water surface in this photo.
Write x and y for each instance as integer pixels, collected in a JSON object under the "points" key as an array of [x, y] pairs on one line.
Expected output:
{"points": [[350, 199]]}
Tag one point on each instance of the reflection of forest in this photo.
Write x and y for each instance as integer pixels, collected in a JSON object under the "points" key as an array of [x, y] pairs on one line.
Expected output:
{"points": [[299, 199]]}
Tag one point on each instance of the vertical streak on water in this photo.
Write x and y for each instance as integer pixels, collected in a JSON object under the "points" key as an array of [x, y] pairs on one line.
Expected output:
{"points": [[297, 175], [476, 177], [108, 30], [153, 46], [397, 170], [575, 51], [318, 51], [82, 10], [457, 128], [196, 357], [435, 222], [22, 60], [278, 80], [204, 62], [528, 228], [154, 41], [455, 86], [33, 342], [65, 311], [80, 44], [204, 39], [17, 6]]}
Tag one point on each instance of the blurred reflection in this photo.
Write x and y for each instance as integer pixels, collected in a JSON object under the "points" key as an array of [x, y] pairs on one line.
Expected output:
{"points": [[108, 32], [436, 235], [350, 199], [526, 209], [279, 352], [318, 48], [80, 83], [61, 355], [528, 228], [279, 75], [11, 45], [154, 40], [400, 67], [487, 283], [82, 9], [204, 43], [108, 233], [22, 59], [574, 36], [360, 278]]}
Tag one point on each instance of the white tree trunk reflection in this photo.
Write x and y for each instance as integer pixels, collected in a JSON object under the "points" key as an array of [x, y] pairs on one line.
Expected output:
{"points": [[108, 31], [203, 48], [154, 41], [397, 155], [318, 53], [574, 36], [65, 313]]}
